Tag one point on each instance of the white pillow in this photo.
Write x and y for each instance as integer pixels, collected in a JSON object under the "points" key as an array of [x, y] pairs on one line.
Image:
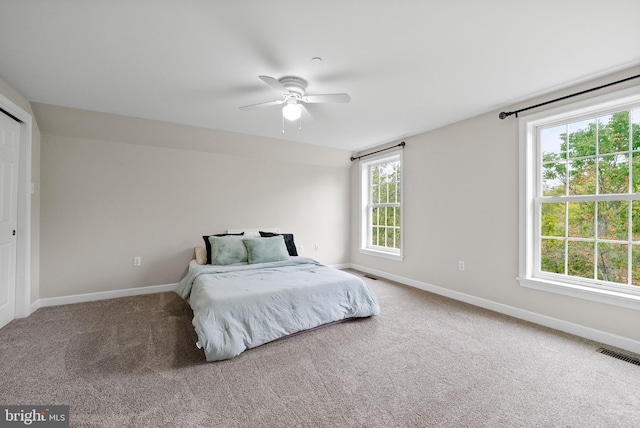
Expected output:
{"points": [[201, 255]]}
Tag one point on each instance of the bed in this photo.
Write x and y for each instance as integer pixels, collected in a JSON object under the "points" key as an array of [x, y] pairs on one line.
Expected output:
{"points": [[239, 305]]}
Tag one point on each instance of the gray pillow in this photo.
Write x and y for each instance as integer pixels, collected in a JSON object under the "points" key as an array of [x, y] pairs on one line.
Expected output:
{"points": [[263, 250], [226, 250]]}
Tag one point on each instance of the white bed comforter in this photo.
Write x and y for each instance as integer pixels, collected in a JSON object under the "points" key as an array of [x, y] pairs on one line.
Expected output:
{"points": [[238, 307]]}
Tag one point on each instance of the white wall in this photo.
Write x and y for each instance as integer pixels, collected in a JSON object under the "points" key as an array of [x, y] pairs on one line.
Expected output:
{"points": [[105, 201], [461, 204]]}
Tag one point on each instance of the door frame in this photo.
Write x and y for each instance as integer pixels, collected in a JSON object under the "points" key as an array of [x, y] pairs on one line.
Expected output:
{"points": [[23, 241]]}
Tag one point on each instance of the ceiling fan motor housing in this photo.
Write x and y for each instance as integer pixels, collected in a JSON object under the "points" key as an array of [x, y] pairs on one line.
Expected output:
{"points": [[294, 85]]}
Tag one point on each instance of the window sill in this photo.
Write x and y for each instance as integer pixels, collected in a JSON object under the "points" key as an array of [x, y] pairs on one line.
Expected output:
{"points": [[610, 297], [383, 254]]}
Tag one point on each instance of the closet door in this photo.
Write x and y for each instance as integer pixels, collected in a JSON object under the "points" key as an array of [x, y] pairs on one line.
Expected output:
{"points": [[9, 149]]}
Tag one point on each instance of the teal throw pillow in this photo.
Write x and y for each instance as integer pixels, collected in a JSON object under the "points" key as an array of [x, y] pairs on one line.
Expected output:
{"points": [[263, 250], [226, 250]]}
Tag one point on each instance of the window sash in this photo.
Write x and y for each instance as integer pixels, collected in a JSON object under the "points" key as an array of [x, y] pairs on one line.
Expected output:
{"points": [[374, 227]]}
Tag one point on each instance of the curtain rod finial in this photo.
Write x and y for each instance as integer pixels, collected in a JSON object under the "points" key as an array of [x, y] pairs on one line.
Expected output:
{"points": [[504, 114]]}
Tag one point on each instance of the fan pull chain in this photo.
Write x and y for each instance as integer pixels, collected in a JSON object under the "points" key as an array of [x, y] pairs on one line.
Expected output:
{"points": [[299, 124]]}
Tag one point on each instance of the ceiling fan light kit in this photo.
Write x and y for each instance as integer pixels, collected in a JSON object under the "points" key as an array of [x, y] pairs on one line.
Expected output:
{"points": [[291, 111], [293, 92]]}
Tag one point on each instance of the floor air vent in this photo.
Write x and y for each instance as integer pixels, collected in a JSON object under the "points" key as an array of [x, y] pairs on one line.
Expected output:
{"points": [[620, 356], [371, 277]]}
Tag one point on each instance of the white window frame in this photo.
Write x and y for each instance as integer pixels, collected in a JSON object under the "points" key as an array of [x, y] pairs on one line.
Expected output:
{"points": [[530, 169], [365, 219]]}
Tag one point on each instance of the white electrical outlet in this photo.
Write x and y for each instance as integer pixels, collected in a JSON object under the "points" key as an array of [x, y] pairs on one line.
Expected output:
{"points": [[460, 265], [317, 247], [300, 249], [137, 261]]}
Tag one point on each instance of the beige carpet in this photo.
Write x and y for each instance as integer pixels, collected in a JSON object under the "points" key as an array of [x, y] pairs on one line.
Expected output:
{"points": [[426, 361]]}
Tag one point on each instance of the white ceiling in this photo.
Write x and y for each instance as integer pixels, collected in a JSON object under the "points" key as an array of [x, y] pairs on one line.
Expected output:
{"points": [[409, 66]]}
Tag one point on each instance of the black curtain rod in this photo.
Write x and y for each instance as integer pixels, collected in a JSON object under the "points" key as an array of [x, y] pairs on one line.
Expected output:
{"points": [[378, 151], [504, 115], [10, 115]]}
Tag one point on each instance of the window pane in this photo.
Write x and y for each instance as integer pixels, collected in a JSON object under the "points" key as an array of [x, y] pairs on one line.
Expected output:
{"points": [[636, 170], [635, 120], [391, 237], [382, 194], [582, 138], [581, 216], [635, 220], [580, 259], [635, 260], [613, 262], [391, 216], [613, 174], [613, 133], [553, 219], [613, 220], [552, 255], [393, 183], [553, 143], [375, 184], [554, 179], [374, 236], [375, 175], [393, 197], [582, 176]]}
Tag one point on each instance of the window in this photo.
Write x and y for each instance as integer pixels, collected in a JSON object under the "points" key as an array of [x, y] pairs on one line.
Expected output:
{"points": [[580, 199], [381, 201]]}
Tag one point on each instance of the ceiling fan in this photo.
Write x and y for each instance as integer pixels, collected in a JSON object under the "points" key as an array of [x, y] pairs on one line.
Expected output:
{"points": [[292, 91]]}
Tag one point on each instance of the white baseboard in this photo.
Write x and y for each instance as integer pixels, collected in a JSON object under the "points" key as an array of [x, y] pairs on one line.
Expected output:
{"points": [[565, 326], [341, 266], [103, 295]]}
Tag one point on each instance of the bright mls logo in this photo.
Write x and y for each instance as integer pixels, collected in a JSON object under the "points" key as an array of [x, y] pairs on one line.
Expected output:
{"points": [[34, 416]]}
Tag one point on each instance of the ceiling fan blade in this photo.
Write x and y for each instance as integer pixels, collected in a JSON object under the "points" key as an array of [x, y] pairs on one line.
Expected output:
{"points": [[326, 98], [265, 104], [306, 110], [273, 82]]}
